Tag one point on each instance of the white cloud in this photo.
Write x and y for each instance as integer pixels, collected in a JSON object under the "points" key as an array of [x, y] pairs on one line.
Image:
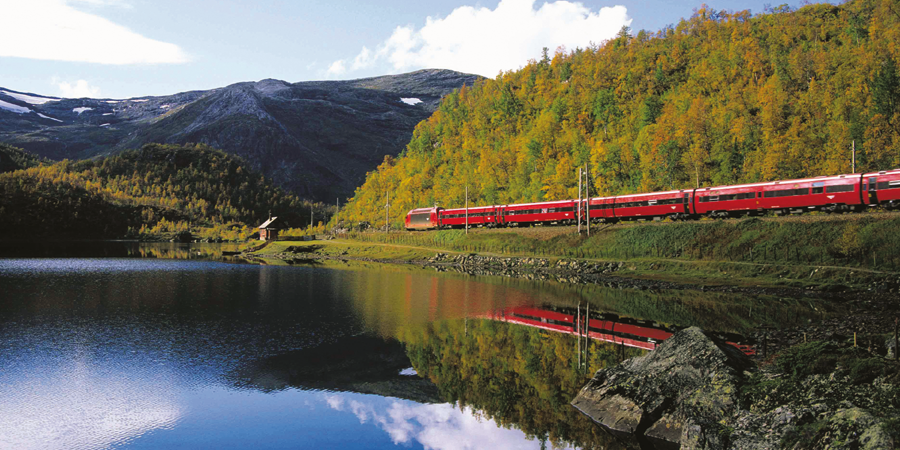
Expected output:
{"points": [[483, 41], [80, 89], [119, 3], [337, 68], [440, 426], [364, 59], [55, 30]]}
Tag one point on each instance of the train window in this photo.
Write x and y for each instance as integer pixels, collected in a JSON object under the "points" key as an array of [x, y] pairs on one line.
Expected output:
{"points": [[818, 187], [840, 188], [888, 185], [419, 219]]}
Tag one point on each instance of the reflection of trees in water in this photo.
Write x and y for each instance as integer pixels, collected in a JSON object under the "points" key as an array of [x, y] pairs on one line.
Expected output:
{"points": [[714, 311], [180, 251], [516, 375]]}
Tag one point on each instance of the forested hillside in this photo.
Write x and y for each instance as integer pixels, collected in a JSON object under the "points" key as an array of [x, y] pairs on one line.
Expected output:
{"points": [[12, 159], [159, 188], [718, 98]]}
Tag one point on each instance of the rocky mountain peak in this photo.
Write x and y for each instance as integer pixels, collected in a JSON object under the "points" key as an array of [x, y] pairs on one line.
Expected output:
{"points": [[316, 138]]}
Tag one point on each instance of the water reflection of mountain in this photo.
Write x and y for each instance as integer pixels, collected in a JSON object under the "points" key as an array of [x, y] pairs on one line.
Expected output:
{"points": [[361, 364]]}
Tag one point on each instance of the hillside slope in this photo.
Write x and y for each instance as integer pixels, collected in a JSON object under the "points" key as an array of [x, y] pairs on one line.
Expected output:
{"points": [[317, 139], [717, 99], [172, 188]]}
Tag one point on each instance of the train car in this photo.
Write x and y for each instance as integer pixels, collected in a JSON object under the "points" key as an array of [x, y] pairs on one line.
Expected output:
{"points": [[730, 201], [675, 204], [833, 194], [533, 213], [478, 216], [882, 188], [601, 209], [423, 219]]}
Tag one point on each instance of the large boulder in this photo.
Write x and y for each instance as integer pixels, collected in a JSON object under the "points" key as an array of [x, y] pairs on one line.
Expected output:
{"points": [[679, 393]]}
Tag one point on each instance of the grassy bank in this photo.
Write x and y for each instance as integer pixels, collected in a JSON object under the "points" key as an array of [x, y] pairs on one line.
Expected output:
{"points": [[869, 241]]}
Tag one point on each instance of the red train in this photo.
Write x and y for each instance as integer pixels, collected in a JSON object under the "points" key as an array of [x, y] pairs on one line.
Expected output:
{"points": [[839, 193], [642, 334]]}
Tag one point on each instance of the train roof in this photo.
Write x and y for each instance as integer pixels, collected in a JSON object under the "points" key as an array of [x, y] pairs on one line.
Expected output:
{"points": [[884, 172], [422, 210], [655, 193], [470, 208], [541, 203], [851, 176]]}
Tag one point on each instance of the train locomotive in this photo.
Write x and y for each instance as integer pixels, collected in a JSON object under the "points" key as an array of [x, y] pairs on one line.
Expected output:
{"points": [[832, 194]]}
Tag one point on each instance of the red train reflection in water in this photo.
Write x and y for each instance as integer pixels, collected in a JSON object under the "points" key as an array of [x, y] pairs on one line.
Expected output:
{"points": [[603, 327]]}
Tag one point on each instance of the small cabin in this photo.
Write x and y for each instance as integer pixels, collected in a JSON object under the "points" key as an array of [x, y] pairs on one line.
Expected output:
{"points": [[268, 231]]}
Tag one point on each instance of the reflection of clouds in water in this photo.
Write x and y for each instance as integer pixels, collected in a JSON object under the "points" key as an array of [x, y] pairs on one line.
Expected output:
{"points": [[77, 408], [434, 426]]}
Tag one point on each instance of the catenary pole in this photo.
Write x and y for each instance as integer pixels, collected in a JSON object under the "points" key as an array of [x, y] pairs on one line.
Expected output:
{"points": [[579, 201], [467, 209], [853, 146], [587, 194]]}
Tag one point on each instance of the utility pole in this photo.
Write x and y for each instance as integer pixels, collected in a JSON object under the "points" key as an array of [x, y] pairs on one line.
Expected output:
{"points": [[853, 167], [387, 212], [467, 209], [310, 217], [579, 200], [587, 193]]}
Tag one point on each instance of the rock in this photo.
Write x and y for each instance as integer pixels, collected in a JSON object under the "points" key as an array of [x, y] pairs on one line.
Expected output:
{"points": [[850, 428], [678, 393]]}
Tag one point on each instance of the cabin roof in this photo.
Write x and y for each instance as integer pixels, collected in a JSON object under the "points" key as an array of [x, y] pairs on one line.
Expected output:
{"points": [[268, 222]]}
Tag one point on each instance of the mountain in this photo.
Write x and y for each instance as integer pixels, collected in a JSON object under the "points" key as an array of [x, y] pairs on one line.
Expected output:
{"points": [[719, 98], [144, 193], [317, 139]]}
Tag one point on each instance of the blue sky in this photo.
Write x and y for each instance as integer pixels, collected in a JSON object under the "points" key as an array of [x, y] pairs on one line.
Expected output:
{"points": [[130, 48]]}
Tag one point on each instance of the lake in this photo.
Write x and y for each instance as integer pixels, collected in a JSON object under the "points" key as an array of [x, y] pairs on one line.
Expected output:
{"points": [[125, 345]]}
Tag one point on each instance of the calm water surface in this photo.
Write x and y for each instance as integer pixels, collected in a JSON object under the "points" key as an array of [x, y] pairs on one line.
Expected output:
{"points": [[130, 350]]}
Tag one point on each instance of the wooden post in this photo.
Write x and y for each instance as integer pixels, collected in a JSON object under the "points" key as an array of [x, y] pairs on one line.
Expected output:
{"points": [[387, 212], [587, 192], [578, 334], [578, 213], [896, 349], [467, 209]]}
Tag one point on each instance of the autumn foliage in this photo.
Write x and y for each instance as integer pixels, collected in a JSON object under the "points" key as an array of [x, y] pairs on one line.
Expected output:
{"points": [[719, 98]]}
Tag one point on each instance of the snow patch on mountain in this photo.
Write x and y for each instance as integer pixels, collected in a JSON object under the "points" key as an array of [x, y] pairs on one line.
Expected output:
{"points": [[81, 110], [13, 108], [411, 101], [29, 98], [48, 117]]}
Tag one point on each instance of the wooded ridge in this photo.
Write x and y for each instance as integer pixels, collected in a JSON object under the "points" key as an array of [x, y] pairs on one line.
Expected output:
{"points": [[139, 193], [719, 98]]}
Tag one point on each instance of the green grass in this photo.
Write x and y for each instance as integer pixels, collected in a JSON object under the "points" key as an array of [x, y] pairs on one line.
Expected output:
{"points": [[808, 252], [864, 240], [340, 247]]}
